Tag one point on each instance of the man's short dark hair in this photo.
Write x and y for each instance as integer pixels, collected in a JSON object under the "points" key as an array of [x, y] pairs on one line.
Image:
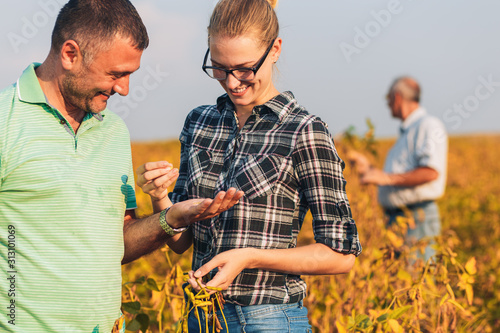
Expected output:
{"points": [[94, 25]]}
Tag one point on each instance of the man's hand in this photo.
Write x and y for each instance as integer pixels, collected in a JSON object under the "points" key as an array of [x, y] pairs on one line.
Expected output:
{"points": [[375, 176], [187, 212], [414, 177], [359, 161], [154, 178]]}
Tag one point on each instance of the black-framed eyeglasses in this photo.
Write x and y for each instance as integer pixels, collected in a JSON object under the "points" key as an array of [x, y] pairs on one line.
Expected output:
{"points": [[242, 74]]}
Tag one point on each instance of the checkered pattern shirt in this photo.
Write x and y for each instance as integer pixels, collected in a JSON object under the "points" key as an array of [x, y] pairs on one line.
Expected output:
{"points": [[285, 161]]}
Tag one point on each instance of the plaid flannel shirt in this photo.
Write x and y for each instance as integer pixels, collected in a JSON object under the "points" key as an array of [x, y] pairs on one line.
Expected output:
{"points": [[285, 161]]}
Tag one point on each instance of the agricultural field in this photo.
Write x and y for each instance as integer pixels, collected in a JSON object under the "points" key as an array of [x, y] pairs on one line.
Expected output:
{"points": [[387, 290]]}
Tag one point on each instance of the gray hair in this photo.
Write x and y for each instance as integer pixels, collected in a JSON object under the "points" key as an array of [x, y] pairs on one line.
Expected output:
{"points": [[407, 87]]}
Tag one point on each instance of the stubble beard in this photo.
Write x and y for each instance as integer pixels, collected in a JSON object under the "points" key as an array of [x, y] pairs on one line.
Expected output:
{"points": [[76, 96]]}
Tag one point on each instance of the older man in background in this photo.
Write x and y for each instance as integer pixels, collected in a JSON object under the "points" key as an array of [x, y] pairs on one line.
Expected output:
{"points": [[414, 174]]}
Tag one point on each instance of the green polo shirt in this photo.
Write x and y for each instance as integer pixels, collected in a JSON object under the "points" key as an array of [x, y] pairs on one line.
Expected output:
{"points": [[62, 202]]}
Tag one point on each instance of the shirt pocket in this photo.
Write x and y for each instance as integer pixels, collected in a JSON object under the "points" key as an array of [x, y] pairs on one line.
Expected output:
{"points": [[258, 175], [198, 164]]}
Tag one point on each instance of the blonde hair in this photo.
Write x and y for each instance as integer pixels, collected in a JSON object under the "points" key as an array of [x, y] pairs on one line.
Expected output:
{"points": [[233, 18]]}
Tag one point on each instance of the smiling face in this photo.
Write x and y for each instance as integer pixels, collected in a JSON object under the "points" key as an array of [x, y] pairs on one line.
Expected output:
{"points": [[245, 51], [88, 88]]}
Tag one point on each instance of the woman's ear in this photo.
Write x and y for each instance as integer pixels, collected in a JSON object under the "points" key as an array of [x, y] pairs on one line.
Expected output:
{"points": [[276, 49]]}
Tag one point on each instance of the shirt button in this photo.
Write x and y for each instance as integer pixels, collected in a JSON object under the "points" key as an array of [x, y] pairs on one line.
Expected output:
{"points": [[63, 121]]}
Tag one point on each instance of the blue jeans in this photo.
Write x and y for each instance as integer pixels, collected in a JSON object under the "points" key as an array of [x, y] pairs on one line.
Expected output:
{"points": [[427, 225], [258, 318]]}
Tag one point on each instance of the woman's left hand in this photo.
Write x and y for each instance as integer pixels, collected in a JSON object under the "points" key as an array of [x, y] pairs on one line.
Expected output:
{"points": [[230, 264], [154, 178]]}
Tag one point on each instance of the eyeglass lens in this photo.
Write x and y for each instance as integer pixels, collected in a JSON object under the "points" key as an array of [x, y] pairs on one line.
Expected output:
{"points": [[240, 74]]}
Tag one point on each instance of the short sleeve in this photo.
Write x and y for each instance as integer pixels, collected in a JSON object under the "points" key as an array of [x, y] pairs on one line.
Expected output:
{"points": [[432, 144], [319, 170]]}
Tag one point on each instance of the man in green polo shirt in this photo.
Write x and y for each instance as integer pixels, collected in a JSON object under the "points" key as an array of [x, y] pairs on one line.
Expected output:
{"points": [[66, 179]]}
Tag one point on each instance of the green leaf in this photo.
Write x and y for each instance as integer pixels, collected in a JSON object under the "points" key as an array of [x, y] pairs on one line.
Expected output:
{"points": [[382, 317], [143, 319], [138, 281], [131, 307], [134, 325], [151, 284], [351, 130], [359, 318], [399, 311], [365, 322]]}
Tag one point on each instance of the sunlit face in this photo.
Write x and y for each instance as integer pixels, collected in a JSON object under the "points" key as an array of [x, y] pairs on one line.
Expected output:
{"points": [[245, 51], [88, 88]]}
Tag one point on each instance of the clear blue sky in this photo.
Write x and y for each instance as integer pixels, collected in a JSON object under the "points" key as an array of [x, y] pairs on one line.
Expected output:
{"points": [[339, 58]]}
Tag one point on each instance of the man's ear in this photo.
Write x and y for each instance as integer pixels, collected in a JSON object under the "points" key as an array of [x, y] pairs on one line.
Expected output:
{"points": [[71, 56]]}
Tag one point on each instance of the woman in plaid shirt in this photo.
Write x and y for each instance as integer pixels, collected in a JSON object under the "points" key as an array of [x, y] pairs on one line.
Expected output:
{"points": [[265, 144]]}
